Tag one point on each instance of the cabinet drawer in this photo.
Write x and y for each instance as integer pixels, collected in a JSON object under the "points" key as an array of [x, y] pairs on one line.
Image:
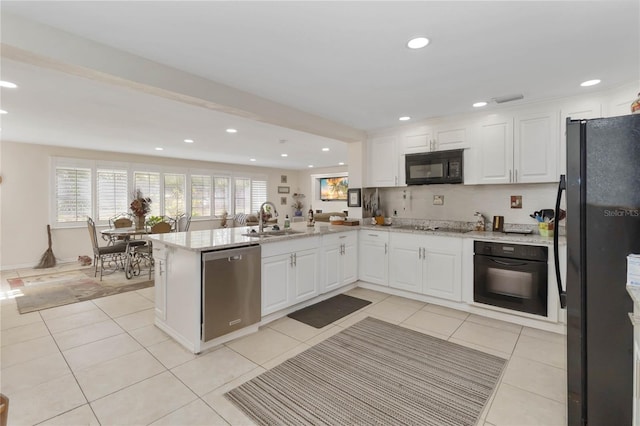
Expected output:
{"points": [[339, 238], [372, 235], [289, 246]]}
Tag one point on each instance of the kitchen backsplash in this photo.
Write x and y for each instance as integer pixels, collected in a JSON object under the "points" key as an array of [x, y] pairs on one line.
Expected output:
{"points": [[460, 202]]}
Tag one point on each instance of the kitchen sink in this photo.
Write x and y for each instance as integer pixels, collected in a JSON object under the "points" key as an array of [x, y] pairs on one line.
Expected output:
{"points": [[278, 233]]}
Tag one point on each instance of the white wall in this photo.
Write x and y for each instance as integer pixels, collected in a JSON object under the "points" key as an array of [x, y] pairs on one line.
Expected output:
{"points": [[312, 193], [25, 199]]}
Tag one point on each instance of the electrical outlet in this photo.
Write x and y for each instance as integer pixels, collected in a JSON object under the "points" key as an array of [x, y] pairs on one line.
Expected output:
{"points": [[438, 200], [516, 201], [395, 213]]}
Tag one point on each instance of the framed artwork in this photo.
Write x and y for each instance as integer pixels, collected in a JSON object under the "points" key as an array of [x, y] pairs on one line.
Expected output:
{"points": [[283, 178], [354, 197], [283, 201], [283, 189]]}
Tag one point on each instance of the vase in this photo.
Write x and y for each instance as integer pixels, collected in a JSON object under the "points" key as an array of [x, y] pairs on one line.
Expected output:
{"points": [[139, 221]]}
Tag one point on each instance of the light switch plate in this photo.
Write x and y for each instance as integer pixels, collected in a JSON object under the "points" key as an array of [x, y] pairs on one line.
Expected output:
{"points": [[438, 200]]}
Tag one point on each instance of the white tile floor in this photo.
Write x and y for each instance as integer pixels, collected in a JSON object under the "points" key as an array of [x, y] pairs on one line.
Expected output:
{"points": [[103, 362]]}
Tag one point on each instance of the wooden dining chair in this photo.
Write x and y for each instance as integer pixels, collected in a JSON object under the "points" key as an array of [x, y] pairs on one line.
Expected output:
{"points": [[112, 254], [137, 255], [161, 228]]}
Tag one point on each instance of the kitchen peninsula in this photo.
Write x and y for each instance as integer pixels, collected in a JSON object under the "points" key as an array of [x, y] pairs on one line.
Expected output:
{"points": [[304, 265]]}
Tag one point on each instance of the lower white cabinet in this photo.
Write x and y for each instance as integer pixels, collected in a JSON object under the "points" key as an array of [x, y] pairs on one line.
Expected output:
{"points": [[160, 254], [289, 273], [373, 255], [339, 255], [427, 264]]}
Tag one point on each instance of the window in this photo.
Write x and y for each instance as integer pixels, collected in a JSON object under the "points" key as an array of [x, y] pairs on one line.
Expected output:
{"points": [[112, 193], [73, 194], [174, 195], [149, 184], [242, 190], [258, 194], [200, 196], [221, 201]]}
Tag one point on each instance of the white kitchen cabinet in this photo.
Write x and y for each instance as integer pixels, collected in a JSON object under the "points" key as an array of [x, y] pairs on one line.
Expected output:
{"points": [[415, 140], [373, 255], [383, 162], [442, 258], [289, 273], [536, 147], [160, 254], [339, 260], [575, 111], [520, 149], [427, 264], [450, 136]]}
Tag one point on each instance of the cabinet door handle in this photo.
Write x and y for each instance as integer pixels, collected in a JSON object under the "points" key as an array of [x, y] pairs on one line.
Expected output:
{"points": [[295, 259], [372, 235], [385, 248], [291, 260], [509, 175], [160, 271], [419, 252], [516, 175]]}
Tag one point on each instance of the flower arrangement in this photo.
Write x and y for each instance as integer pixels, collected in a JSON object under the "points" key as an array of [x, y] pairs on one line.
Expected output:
{"points": [[297, 203], [140, 205]]}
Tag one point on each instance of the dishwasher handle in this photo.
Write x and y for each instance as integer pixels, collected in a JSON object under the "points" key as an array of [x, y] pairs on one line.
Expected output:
{"points": [[232, 254]]}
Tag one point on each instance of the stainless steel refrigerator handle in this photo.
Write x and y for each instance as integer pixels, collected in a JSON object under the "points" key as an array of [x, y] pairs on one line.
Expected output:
{"points": [[556, 257]]}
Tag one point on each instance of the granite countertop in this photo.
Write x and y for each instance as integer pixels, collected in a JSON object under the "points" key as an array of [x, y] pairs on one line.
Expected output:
{"points": [[484, 235], [224, 238]]}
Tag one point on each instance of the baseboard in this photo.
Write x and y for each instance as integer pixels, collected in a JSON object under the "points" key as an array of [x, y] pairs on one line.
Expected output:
{"points": [[5, 268]]}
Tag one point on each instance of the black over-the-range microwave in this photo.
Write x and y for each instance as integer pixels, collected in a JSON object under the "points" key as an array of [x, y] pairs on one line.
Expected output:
{"points": [[434, 167]]}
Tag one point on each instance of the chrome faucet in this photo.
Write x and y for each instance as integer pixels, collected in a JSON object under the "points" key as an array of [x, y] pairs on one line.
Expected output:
{"points": [[260, 222]]}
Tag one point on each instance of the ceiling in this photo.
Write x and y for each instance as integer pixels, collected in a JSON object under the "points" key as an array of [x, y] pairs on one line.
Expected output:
{"points": [[344, 62]]}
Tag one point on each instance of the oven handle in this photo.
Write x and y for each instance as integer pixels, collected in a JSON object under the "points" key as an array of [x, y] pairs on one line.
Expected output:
{"points": [[503, 263]]}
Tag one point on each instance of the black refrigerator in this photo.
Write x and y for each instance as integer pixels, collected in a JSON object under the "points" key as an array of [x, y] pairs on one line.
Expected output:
{"points": [[603, 227]]}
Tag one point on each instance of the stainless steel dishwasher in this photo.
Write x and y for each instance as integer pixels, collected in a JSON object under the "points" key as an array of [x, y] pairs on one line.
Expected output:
{"points": [[231, 290]]}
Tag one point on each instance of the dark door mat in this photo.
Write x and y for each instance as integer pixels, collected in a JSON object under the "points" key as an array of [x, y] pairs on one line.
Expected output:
{"points": [[327, 311]]}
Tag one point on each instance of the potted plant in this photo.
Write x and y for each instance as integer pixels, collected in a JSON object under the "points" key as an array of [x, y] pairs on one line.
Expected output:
{"points": [[297, 203]]}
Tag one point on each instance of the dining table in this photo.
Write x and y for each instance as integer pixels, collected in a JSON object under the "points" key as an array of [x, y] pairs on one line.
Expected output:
{"points": [[114, 234]]}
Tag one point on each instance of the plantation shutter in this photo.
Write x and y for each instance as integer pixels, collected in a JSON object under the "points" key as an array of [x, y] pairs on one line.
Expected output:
{"points": [[200, 196], [73, 194], [174, 194], [258, 194], [113, 193], [149, 184], [242, 191], [221, 196]]}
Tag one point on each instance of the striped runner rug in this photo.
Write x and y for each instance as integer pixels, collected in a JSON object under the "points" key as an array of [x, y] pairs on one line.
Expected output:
{"points": [[374, 373]]}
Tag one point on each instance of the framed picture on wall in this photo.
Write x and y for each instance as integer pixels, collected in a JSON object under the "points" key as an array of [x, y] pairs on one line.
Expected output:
{"points": [[354, 197], [283, 190], [283, 178]]}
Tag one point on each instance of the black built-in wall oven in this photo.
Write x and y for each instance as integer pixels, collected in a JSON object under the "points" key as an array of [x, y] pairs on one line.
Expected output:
{"points": [[511, 276]]}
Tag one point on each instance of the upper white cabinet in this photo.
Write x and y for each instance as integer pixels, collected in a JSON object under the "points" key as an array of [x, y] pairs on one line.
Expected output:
{"points": [[441, 137], [520, 149], [575, 111], [383, 163]]}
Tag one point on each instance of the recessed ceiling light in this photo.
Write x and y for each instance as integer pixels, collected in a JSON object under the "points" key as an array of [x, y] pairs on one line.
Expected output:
{"points": [[479, 104], [232, 131], [188, 140], [589, 83], [2, 111], [8, 84], [405, 118], [417, 43], [325, 149], [310, 166], [341, 164], [252, 159], [284, 155], [159, 149]]}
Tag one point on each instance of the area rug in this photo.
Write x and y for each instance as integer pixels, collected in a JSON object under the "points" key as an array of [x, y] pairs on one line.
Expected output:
{"points": [[374, 373], [328, 311], [56, 289]]}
